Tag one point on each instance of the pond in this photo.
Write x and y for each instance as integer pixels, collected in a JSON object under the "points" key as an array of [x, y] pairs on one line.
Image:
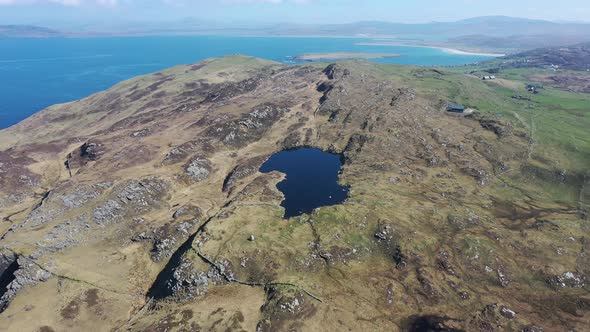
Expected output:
{"points": [[311, 179]]}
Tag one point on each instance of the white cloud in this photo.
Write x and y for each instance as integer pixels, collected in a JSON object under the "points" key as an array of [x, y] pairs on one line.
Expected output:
{"points": [[264, 1], [105, 3], [113, 3]]}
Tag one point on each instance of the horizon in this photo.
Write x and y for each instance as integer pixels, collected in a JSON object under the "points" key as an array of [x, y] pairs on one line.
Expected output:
{"points": [[76, 14], [189, 22], [191, 19]]}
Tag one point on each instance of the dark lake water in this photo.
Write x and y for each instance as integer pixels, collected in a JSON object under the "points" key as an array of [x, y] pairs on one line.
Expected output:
{"points": [[311, 182]]}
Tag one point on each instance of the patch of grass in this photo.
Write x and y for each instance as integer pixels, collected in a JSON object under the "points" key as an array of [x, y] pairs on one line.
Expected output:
{"points": [[557, 120], [356, 240], [286, 233], [477, 248]]}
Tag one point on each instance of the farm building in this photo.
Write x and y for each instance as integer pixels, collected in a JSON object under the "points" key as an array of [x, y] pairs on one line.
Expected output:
{"points": [[455, 108]]}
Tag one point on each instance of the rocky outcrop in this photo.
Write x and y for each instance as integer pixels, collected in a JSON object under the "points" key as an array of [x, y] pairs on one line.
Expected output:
{"points": [[198, 169], [388, 240], [182, 152], [567, 280], [87, 152], [430, 323], [188, 281], [168, 237], [250, 127], [186, 277], [242, 170], [19, 272], [335, 71], [355, 145], [64, 213], [131, 200], [8, 267], [498, 127], [225, 91], [284, 308]]}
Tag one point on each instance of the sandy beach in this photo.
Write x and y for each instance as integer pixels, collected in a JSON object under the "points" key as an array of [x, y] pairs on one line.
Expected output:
{"points": [[456, 51], [343, 56], [444, 49]]}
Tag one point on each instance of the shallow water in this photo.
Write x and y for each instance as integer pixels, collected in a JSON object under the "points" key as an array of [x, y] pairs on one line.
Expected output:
{"points": [[311, 182], [36, 73]]}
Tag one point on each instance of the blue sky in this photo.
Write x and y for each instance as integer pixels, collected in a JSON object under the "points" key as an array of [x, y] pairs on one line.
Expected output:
{"points": [[63, 12]]}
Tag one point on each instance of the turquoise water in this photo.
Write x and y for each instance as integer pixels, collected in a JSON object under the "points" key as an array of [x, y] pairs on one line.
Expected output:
{"points": [[36, 73]]}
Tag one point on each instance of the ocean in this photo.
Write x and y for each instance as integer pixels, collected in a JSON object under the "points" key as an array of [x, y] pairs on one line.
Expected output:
{"points": [[36, 73]]}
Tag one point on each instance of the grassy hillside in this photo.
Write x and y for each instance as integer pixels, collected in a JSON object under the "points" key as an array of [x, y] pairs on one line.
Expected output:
{"points": [[142, 208]]}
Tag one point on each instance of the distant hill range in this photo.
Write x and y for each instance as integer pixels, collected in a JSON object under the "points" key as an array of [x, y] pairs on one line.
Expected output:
{"points": [[515, 43], [490, 33], [494, 26], [27, 31]]}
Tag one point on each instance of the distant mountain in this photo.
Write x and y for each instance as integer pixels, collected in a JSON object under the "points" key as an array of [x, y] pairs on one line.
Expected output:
{"points": [[500, 20], [489, 26], [516, 42], [497, 34], [27, 31], [489, 33], [495, 26]]}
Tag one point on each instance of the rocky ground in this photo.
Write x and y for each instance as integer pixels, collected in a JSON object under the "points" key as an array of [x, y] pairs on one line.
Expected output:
{"points": [[141, 208], [568, 81]]}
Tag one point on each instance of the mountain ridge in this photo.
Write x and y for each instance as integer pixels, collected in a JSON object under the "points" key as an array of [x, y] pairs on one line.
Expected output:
{"points": [[489, 34], [486, 25]]}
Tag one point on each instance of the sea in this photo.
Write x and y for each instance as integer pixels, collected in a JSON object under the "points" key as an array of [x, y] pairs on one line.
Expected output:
{"points": [[37, 73]]}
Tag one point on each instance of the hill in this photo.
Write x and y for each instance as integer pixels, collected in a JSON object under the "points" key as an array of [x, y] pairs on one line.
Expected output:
{"points": [[494, 26], [142, 208], [515, 43], [574, 57]]}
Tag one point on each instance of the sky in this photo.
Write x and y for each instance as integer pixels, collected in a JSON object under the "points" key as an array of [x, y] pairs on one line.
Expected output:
{"points": [[63, 13]]}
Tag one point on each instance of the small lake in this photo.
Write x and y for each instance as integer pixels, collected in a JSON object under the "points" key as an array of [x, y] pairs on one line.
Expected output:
{"points": [[311, 182]]}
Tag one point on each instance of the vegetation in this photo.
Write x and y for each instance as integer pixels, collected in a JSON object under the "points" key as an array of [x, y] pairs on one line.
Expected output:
{"points": [[453, 223]]}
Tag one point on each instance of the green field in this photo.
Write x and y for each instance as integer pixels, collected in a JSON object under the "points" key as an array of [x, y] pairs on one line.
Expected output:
{"points": [[556, 122]]}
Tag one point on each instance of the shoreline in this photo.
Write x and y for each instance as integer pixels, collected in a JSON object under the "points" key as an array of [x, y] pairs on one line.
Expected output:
{"points": [[445, 49], [442, 48], [336, 56]]}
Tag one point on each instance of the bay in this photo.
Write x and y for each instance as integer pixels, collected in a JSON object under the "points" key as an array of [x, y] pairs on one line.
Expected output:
{"points": [[37, 73]]}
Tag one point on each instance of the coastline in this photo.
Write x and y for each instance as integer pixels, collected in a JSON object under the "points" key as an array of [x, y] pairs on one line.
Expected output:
{"points": [[460, 52], [381, 40], [442, 48], [335, 56]]}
